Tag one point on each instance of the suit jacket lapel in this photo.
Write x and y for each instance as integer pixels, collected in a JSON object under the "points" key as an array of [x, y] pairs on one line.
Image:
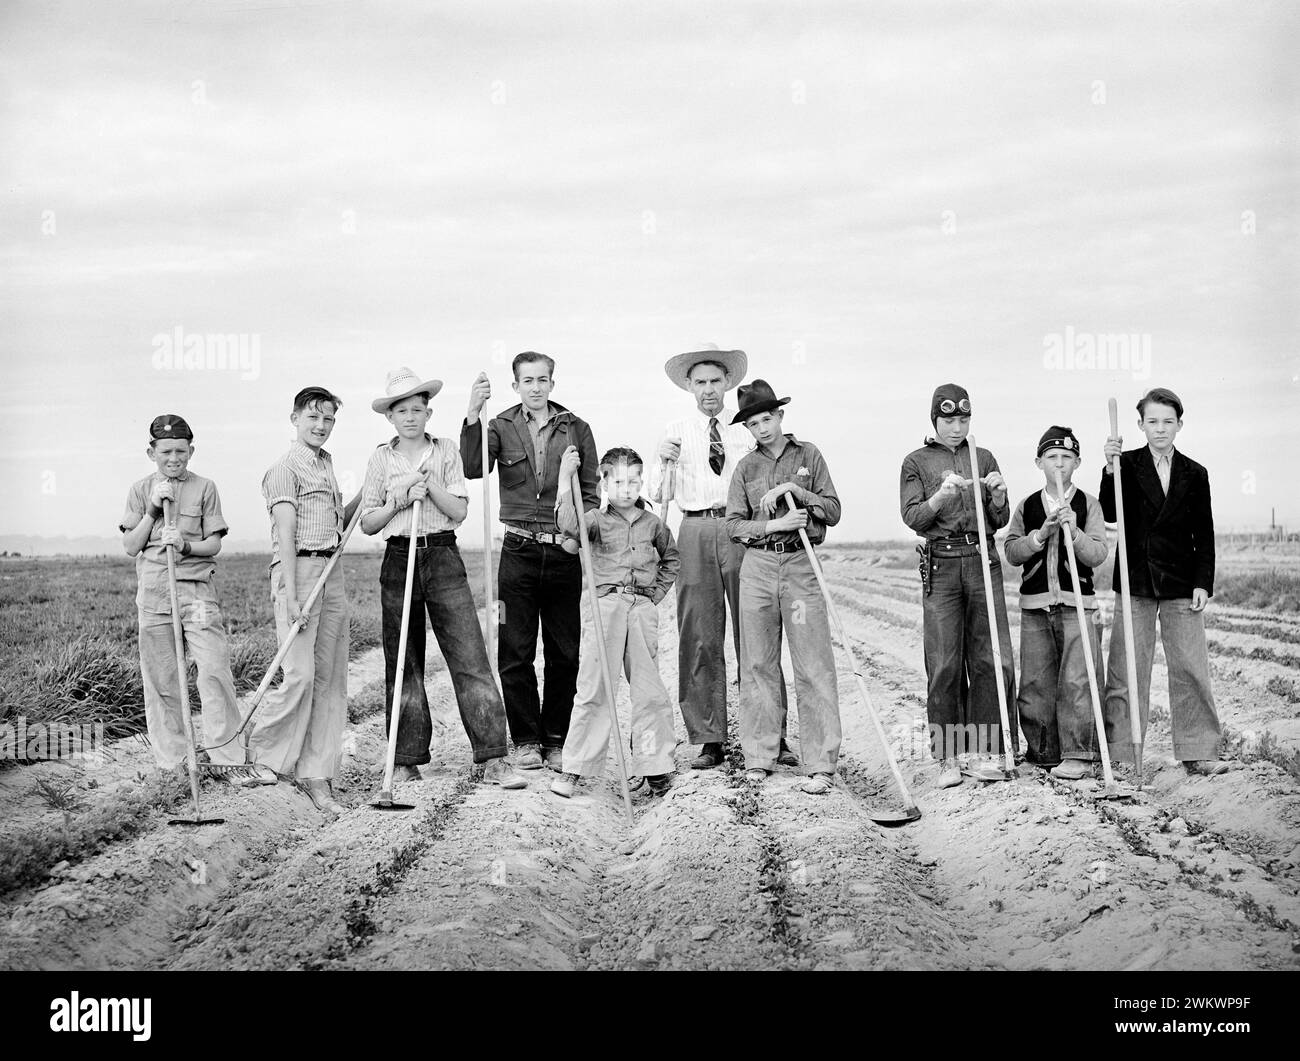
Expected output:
{"points": [[1149, 480], [1178, 482]]}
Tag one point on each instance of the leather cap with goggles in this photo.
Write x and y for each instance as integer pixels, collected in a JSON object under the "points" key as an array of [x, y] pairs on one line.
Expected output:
{"points": [[949, 400]]}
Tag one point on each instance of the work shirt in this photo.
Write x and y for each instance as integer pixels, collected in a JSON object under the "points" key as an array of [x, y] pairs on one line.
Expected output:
{"points": [[696, 487], [305, 480], [440, 463], [1090, 549], [638, 552], [758, 472], [924, 471], [197, 512]]}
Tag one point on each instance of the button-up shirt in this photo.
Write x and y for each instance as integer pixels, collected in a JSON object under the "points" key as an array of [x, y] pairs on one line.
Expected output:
{"points": [[305, 480], [1090, 549], [638, 552], [441, 464], [758, 472], [1164, 464], [696, 486], [923, 473], [197, 512]]}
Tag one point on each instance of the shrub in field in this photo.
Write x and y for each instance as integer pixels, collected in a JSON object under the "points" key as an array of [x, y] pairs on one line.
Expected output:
{"points": [[1286, 688], [1273, 590], [88, 680]]}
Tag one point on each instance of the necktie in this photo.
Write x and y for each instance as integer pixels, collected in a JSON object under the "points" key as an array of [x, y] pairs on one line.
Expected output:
{"points": [[1162, 470], [717, 454]]}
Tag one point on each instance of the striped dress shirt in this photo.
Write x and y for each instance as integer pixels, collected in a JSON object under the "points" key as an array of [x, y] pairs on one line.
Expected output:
{"points": [[442, 467], [305, 480], [697, 487]]}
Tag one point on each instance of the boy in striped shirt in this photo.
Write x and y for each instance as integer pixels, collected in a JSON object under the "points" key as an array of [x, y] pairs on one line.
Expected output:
{"points": [[410, 466], [299, 731]]}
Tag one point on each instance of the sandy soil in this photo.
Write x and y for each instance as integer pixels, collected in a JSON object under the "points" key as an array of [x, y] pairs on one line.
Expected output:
{"points": [[1195, 873]]}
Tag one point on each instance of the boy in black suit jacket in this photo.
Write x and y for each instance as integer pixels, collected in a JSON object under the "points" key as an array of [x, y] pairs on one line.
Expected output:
{"points": [[1169, 529]]}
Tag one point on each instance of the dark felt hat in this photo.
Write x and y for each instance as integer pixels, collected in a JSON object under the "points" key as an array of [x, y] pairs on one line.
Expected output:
{"points": [[754, 398]]}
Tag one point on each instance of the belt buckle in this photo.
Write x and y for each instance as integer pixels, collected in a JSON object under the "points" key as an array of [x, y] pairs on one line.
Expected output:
{"points": [[778, 547]]}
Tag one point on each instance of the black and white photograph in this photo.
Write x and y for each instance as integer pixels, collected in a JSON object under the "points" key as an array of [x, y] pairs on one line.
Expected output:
{"points": [[704, 487]]}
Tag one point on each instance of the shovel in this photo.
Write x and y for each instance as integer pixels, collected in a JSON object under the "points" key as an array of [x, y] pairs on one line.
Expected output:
{"points": [[910, 812], [606, 675], [1111, 791], [1126, 606], [182, 678], [385, 800], [986, 565]]}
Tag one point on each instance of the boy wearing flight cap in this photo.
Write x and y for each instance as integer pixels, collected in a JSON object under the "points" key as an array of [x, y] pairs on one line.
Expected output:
{"points": [[410, 466], [1169, 533], [779, 592], [634, 561], [937, 501], [196, 531], [1055, 701], [299, 732]]}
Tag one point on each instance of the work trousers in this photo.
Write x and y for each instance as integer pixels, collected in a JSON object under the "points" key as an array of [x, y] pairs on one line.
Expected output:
{"points": [[779, 592], [298, 729], [206, 645], [440, 588], [1193, 719], [631, 626], [1055, 700]]}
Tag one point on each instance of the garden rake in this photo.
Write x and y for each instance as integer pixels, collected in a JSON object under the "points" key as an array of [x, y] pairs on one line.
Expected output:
{"points": [[986, 566], [911, 812], [1133, 698], [183, 681], [1111, 790]]}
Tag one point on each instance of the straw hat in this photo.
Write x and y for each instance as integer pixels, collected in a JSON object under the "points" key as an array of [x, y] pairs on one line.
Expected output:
{"points": [[402, 383], [734, 361]]}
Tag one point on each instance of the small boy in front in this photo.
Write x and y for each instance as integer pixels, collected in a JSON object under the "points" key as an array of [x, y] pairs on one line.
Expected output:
{"points": [[634, 561], [779, 592], [196, 532], [410, 466], [1169, 538], [1055, 701], [299, 730]]}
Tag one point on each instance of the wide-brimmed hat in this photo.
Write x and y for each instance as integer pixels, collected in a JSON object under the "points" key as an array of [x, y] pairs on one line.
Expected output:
{"points": [[734, 361], [757, 398], [402, 383]]}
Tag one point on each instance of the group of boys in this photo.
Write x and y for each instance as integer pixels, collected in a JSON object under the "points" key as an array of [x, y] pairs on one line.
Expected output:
{"points": [[1170, 557], [753, 499]]}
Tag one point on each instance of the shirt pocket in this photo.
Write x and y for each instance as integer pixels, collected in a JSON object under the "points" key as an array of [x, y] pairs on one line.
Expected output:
{"points": [[513, 469], [189, 520]]}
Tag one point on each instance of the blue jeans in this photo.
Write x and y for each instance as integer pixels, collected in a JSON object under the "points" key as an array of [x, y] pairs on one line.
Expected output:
{"points": [[537, 581], [440, 588], [1055, 701], [962, 699]]}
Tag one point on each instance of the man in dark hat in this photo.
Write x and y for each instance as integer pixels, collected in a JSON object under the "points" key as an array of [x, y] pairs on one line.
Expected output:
{"points": [[937, 498], [697, 457], [781, 488]]}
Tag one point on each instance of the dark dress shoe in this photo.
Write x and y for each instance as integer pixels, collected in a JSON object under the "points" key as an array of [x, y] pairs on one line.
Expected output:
{"points": [[710, 756]]}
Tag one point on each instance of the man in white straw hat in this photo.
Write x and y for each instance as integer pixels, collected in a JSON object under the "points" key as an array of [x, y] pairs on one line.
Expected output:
{"points": [[697, 456], [410, 466]]}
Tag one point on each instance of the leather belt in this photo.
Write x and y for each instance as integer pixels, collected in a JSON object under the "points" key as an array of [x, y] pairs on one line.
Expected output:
{"points": [[969, 538], [424, 541], [631, 591], [326, 553], [779, 547], [544, 537], [705, 513]]}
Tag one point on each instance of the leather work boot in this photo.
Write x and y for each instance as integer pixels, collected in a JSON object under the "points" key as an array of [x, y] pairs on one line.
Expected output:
{"points": [[498, 772], [711, 755]]}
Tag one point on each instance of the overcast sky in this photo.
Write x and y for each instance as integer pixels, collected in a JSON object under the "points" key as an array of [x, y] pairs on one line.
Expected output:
{"points": [[869, 199]]}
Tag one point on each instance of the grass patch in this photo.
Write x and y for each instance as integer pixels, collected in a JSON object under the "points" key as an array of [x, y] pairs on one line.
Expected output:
{"points": [[1273, 590]]}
